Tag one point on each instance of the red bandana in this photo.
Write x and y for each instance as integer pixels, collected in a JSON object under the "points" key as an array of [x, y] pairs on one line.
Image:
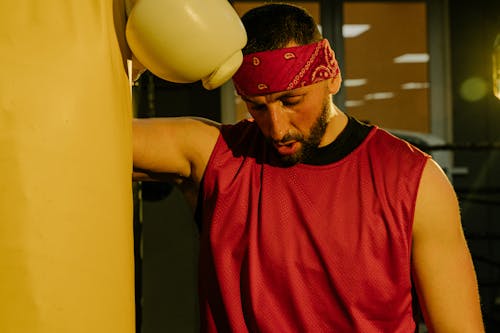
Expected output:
{"points": [[285, 69]]}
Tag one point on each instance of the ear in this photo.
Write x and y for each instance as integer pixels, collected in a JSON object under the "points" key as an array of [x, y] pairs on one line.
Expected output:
{"points": [[334, 84]]}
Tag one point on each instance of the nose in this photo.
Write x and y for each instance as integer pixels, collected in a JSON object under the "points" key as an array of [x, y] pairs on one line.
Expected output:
{"points": [[278, 121]]}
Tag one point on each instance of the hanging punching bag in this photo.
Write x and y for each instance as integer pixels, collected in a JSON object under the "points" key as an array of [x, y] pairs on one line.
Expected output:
{"points": [[66, 252]]}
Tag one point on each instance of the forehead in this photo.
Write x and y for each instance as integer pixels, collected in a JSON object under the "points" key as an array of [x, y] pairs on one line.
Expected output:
{"points": [[267, 98]]}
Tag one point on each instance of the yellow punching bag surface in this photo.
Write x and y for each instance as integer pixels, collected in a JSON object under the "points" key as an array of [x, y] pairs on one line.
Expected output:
{"points": [[66, 243]]}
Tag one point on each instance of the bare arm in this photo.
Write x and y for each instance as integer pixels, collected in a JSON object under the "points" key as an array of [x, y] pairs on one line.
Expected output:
{"points": [[175, 149], [443, 269]]}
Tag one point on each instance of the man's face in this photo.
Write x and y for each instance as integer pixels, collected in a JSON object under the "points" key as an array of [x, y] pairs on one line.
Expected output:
{"points": [[295, 121]]}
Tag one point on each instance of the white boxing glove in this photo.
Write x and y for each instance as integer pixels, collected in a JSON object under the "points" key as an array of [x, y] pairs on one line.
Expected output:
{"points": [[185, 41]]}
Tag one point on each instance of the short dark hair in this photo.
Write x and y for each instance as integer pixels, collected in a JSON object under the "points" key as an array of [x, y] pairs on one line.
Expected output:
{"points": [[273, 26]]}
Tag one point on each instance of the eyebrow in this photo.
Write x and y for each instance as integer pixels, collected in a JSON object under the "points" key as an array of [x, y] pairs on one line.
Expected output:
{"points": [[287, 94]]}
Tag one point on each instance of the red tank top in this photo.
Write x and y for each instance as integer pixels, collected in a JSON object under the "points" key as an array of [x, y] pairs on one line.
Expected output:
{"points": [[308, 248]]}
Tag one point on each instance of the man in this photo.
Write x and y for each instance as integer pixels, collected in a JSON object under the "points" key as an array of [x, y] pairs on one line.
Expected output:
{"points": [[310, 220]]}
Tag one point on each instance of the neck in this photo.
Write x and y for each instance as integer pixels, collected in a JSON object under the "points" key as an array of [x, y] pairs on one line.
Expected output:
{"points": [[336, 124]]}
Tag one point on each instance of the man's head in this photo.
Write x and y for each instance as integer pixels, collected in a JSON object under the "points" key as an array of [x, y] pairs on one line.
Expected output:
{"points": [[284, 51], [287, 77], [275, 26]]}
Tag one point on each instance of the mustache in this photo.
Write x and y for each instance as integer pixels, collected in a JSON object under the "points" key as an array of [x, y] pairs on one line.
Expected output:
{"points": [[287, 138]]}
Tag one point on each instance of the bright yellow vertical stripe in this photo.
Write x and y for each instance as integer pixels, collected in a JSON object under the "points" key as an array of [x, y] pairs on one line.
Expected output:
{"points": [[66, 245]]}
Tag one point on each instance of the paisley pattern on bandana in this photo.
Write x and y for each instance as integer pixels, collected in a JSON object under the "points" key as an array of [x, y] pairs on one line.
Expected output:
{"points": [[285, 69]]}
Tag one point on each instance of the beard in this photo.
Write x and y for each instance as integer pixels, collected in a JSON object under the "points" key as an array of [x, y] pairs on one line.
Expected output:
{"points": [[309, 144]]}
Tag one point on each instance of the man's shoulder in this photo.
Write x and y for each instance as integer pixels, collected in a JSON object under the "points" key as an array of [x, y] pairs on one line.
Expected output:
{"points": [[241, 132], [390, 143], [244, 124], [241, 139]]}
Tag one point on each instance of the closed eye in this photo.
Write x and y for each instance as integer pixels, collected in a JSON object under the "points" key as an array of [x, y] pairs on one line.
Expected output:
{"points": [[291, 100], [256, 107]]}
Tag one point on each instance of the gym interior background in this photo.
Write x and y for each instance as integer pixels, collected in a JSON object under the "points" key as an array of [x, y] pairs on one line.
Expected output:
{"points": [[422, 69]]}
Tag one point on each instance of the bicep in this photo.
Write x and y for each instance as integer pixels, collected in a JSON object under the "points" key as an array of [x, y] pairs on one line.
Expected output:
{"points": [[172, 148], [442, 266]]}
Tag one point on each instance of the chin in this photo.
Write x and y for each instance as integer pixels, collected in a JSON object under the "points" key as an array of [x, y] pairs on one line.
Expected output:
{"points": [[289, 160]]}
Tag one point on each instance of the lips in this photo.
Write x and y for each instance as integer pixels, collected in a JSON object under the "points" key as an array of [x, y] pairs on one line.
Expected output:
{"points": [[288, 148]]}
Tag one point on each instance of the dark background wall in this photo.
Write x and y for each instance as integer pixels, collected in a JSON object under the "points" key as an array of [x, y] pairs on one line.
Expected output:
{"points": [[167, 235], [476, 120]]}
